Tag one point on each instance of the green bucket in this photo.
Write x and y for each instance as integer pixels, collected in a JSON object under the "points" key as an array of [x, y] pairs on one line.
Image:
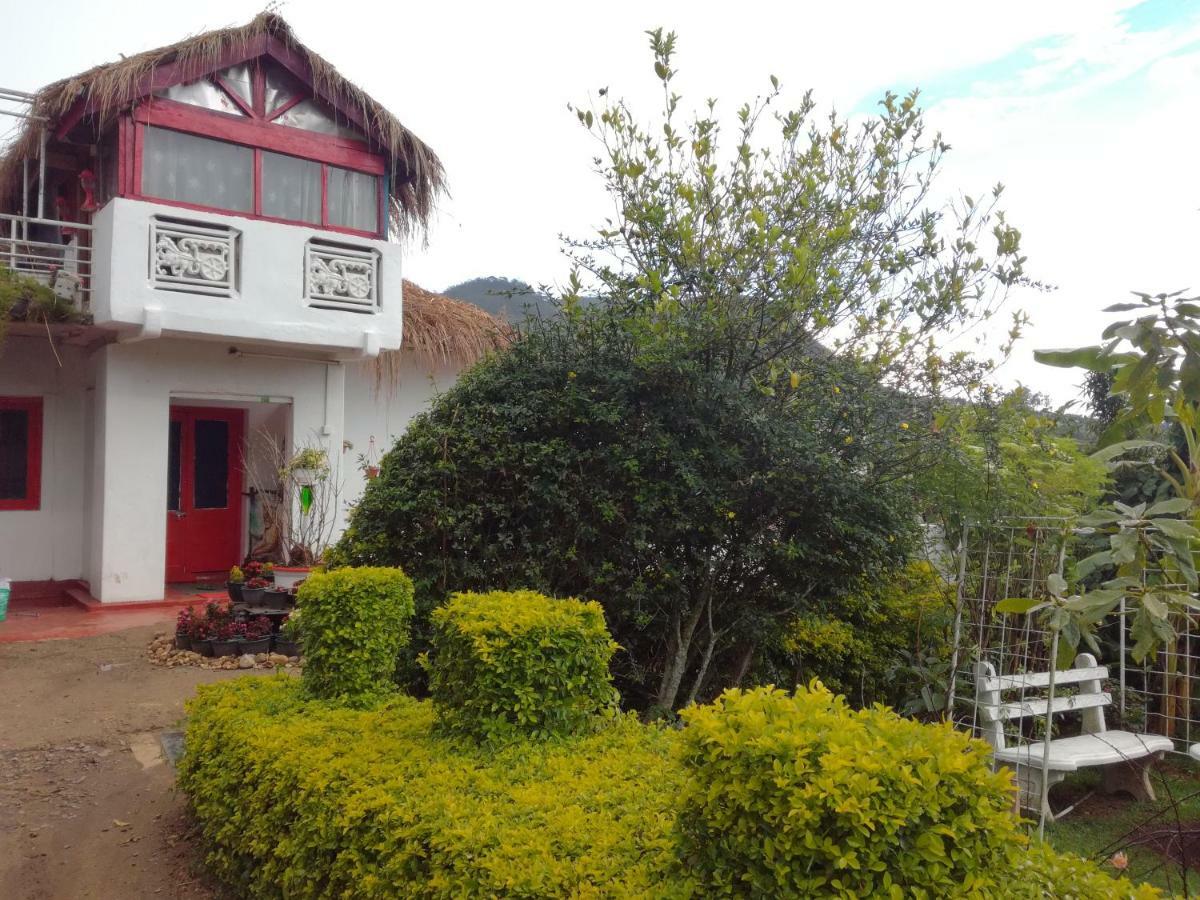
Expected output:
{"points": [[5, 590]]}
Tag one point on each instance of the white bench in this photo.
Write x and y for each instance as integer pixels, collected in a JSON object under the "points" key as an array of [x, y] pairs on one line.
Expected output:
{"points": [[1126, 757]]}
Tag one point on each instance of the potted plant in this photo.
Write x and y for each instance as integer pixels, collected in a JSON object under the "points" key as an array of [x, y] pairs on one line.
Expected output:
{"points": [[184, 623], [228, 638], [308, 465], [287, 577], [287, 641], [276, 597], [234, 585], [257, 569], [201, 636], [252, 591], [257, 635]]}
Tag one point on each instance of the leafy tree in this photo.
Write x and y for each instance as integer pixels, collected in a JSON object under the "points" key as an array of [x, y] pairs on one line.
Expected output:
{"points": [[697, 514], [727, 438], [1154, 364]]}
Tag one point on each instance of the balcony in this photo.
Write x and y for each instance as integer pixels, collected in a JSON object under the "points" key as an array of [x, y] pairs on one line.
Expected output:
{"points": [[57, 254], [170, 270]]}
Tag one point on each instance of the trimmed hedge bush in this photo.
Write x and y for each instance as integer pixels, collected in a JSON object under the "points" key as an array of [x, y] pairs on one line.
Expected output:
{"points": [[310, 800], [303, 799], [355, 622], [799, 795], [518, 662]]}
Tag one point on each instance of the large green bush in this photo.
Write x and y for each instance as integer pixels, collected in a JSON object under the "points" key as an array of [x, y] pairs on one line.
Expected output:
{"points": [[304, 799], [355, 622], [797, 795], [519, 662]]}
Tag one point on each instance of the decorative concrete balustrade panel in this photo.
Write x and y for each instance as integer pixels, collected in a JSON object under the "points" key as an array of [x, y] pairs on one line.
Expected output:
{"points": [[193, 258], [341, 276]]}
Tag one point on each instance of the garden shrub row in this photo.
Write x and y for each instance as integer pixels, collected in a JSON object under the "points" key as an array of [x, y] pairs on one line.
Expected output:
{"points": [[762, 794]]}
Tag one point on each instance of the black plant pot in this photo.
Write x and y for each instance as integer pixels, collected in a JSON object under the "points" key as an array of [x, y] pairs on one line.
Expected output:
{"points": [[203, 646], [260, 645], [273, 599], [253, 597], [183, 641], [234, 589], [227, 648], [286, 647]]}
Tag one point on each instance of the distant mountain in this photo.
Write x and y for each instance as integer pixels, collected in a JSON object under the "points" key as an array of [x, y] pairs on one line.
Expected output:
{"points": [[505, 298]]}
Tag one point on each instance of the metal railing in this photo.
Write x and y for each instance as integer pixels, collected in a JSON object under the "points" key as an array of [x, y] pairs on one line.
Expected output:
{"points": [[56, 254]]}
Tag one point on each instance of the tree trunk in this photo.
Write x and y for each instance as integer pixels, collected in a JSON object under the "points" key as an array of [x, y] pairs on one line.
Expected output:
{"points": [[706, 659], [742, 666], [677, 659]]}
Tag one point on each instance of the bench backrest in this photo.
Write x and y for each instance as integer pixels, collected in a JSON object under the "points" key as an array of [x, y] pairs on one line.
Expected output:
{"points": [[992, 711]]}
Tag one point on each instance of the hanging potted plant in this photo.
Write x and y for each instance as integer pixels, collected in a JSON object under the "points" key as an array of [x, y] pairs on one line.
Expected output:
{"points": [[234, 585], [309, 523]]}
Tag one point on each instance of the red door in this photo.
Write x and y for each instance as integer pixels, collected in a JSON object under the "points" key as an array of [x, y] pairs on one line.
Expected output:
{"points": [[204, 492]]}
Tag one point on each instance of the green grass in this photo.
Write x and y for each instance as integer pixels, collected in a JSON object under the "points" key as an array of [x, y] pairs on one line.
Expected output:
{"points": [[1103, 824]]}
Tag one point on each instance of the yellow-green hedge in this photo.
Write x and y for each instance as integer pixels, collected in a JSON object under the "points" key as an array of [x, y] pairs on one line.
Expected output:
{"points": [[510, 663], [355, 623], [311, 800], [305, 799]]}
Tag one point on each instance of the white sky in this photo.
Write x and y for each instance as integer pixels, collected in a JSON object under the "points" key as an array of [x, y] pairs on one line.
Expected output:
{"points": [[1085, 109]]}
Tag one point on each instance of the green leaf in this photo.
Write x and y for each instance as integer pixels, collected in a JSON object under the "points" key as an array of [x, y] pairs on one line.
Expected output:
{"points": [[1173, 506], [1081, 357], [1174, 528], [1017, 605], [1121, 447], [1056, 584], [1090, 564]]}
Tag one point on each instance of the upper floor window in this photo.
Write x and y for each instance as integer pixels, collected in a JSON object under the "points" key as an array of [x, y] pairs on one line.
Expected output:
{"points": [[276, 151], [20, 453]]}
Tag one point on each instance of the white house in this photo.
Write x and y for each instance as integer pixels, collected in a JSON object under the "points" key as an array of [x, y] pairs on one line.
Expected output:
{"points": [[222, 216]]}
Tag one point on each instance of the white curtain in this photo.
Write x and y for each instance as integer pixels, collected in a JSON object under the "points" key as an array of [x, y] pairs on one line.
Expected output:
{"points": [[291, 188], [191, 169], [353, 199]]}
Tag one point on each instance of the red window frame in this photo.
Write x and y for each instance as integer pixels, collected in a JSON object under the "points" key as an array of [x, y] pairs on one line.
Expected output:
{"points": [[33, 454], [259, 132]]}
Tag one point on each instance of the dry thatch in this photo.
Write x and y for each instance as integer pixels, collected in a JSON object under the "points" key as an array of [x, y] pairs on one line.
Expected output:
{"points": [[417, 174], [442, 332]]}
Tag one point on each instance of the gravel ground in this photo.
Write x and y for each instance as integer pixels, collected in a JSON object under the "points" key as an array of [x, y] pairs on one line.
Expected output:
{"points": [[88, 807]]}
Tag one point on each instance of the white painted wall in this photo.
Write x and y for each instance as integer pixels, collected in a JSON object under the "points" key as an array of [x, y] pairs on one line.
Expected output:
{"points": [[47, 543], [384, 412], [103, 515], [136, 383], [268, 308]]}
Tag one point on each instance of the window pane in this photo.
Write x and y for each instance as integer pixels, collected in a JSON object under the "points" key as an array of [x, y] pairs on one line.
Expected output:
{"points": [[310, 116], [212, 464], [239, 80], [353, 199], [14, 453], [173, 469], [201, 93], [193, 169], [291, 188], [281, 85]]}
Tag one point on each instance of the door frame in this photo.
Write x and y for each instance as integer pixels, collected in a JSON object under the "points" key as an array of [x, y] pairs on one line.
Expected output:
{"points": [[236, 416]]}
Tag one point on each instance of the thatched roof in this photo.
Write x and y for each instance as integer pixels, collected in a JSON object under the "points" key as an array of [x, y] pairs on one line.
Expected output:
{"points": [[417, 173], [441, 331]]}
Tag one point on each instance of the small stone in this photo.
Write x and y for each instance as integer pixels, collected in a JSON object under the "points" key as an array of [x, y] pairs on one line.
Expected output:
{"points": [[260, 657], [245, 661]]}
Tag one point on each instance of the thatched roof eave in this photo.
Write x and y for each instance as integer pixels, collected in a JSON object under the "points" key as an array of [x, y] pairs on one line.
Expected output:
{"points": [[417, 174]]}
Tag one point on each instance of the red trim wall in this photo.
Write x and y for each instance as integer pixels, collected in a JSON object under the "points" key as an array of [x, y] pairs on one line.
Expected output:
{"points": [[33, 457]]}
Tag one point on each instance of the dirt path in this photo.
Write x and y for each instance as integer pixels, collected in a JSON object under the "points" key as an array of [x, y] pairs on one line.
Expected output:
{"points": [[87, 803]]}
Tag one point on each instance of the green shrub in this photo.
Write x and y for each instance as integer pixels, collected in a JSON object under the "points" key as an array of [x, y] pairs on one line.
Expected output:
{"points": [[355, 622], [798, 795], [518, 662], [308, 799]]}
